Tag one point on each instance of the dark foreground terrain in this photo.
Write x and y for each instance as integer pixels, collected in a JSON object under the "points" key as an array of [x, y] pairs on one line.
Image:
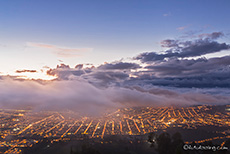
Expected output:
{"points": [[170, 141]]}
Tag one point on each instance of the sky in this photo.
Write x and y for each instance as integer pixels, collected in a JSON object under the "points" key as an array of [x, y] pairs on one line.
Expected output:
{"points": [[110, 30], [153, 49]]}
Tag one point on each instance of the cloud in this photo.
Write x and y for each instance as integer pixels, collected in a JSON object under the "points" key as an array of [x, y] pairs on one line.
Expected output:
{"points": [[79, 66], [169, 43], [214, 35], [95, 76], [174, 72], [84, 98], [63, 72], [103, 75], [119, 66], [186, 67], [29, 71], [211, 80], [106, 78], [189, 73], [182, 49], [61, 51]]}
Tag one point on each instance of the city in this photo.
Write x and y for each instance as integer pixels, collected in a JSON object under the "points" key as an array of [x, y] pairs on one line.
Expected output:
{"points": [[23, 128]]}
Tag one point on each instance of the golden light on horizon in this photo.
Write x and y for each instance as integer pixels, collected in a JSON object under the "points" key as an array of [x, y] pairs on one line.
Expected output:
{"points": [[36, 76]]}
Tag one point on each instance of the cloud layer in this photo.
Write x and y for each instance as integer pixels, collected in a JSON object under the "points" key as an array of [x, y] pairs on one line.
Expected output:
{"points": [[82, 97]]}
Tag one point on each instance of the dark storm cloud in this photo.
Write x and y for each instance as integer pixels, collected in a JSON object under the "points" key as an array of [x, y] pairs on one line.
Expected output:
{"points": [[174, 72], [100, 76], [110, 73], [186, 67], [198, 48], [150, 57], [200, 73], [203, 45], [63, 72], [212, 80], [106, 78], [119, 66]]}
